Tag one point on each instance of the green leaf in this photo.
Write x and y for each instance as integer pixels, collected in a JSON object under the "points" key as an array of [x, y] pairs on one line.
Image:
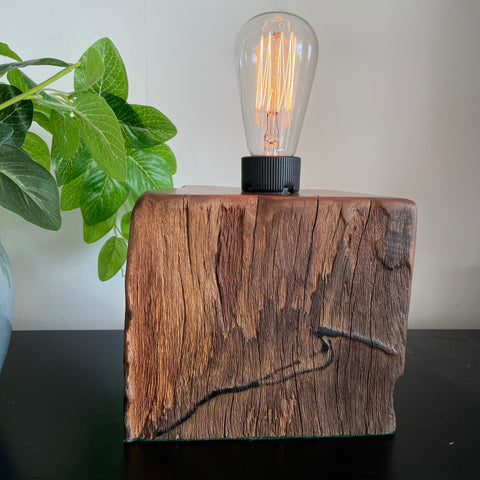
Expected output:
{"points": [[166, 153], [71, 194], [28, 189], [5, 267], [37, 149], [114, 79], [92, 233], [38, 61], [7, 52], [94, 69], [6, 131], [67, 169], [101, 196], [142, 126], [20, 80], [42, 119], [18, 116], [147, 171], [111, 258], [101, 131], [125, 224], [66, 133]]}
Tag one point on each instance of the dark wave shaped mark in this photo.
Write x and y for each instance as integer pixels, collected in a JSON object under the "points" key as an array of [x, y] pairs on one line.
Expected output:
{"points": [[282, 374], [322, 332]]}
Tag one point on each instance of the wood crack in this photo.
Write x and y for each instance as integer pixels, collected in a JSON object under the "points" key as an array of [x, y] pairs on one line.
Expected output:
{"points": [[322, 332], [269, 379]]}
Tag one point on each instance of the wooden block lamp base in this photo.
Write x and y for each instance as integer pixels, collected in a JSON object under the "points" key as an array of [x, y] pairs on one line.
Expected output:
{"points": [[257, 315]]}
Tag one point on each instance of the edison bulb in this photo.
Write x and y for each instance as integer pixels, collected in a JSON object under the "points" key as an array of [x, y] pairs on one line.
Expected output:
{"points": [[276, 56]]}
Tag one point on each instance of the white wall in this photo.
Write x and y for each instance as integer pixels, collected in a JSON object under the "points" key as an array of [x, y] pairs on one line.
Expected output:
{"points": [[395, 110]]}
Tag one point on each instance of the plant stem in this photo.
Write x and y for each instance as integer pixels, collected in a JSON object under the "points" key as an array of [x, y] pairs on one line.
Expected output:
{"points": [[31, 93], [116, 230], [60, 96], [64, 107]]}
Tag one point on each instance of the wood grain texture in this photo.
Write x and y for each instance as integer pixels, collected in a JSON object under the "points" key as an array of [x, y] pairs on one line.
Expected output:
{"points": [[265, 315]]}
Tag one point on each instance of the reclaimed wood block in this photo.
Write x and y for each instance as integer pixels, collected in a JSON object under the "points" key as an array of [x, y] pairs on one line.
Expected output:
{"points": [[257, 315]]}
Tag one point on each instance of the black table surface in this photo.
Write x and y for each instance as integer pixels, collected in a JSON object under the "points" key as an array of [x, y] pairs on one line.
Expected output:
{"points": [[61, 416]]}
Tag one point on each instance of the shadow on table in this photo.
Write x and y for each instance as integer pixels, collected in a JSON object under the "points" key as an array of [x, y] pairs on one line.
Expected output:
{"points": [[283, 458], [7, 470]]}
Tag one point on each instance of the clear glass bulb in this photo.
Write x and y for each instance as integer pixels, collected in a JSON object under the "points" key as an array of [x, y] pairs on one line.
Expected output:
{"points": [[276, 56]]}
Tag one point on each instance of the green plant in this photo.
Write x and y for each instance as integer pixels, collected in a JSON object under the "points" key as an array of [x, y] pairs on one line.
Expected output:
{"points": [[104, 151]]}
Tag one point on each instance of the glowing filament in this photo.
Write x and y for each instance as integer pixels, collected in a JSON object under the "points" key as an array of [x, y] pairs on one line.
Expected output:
{"points": [[274, 95]]}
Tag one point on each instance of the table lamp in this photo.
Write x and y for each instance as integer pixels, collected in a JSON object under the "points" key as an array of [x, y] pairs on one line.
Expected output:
{"points": [[270, 311]]}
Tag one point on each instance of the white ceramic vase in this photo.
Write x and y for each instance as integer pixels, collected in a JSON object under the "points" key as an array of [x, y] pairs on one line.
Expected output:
{"points": [[6, 304]]}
